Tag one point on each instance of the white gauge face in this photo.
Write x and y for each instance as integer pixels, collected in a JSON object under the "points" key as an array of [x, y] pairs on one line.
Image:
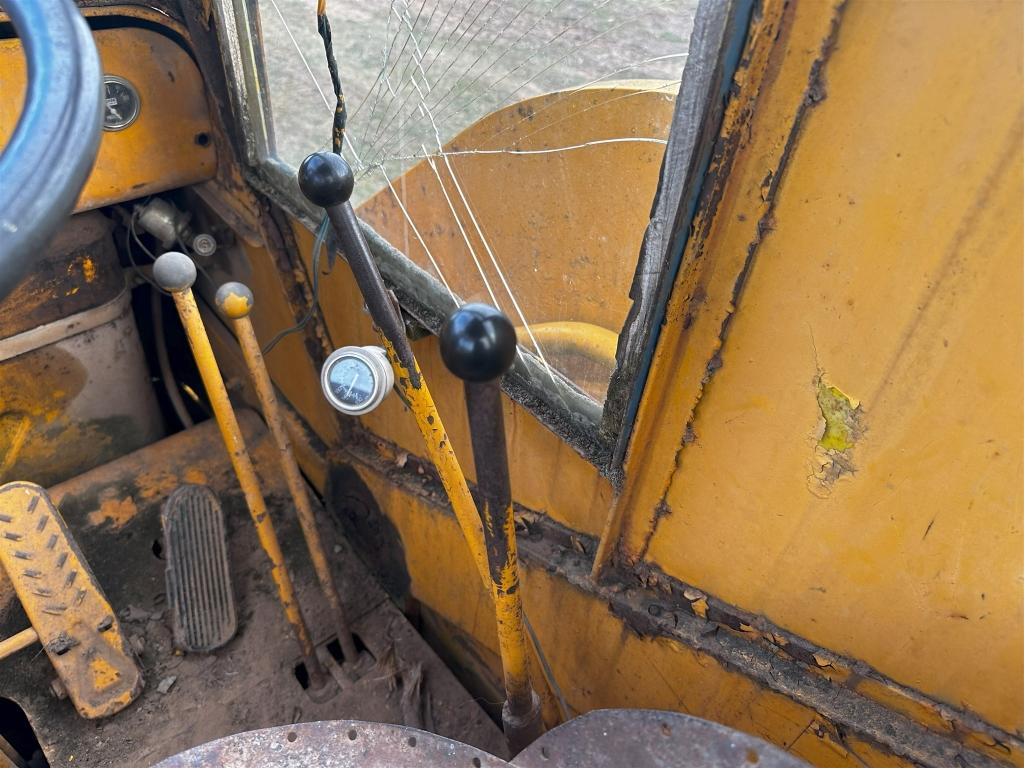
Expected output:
{"points": [[121, 104], [356, 379], [352, 382]]}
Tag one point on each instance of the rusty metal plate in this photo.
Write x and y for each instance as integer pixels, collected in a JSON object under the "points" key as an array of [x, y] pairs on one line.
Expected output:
{"points": [[607, 738], [334, 744], [648, 738]]}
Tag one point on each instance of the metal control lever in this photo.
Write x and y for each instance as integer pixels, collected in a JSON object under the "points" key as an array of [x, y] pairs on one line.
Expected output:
{"points": [[235, 301], [478, 344], [175, 272], [326, 180]]}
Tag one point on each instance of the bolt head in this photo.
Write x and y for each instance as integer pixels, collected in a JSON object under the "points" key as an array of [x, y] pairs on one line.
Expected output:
{"points": [[204, 245], [326, 179], [478, 343]]}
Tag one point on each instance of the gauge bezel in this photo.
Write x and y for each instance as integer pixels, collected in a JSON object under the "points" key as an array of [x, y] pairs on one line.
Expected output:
{"points": [[376, 360], [135, 112]]}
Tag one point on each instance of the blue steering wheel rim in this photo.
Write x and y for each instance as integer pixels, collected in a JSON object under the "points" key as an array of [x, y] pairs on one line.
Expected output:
{"points": [[53, 148]]}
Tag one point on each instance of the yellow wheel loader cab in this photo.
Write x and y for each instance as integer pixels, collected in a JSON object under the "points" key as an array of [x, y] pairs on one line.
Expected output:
{"points": [[458, 383]]}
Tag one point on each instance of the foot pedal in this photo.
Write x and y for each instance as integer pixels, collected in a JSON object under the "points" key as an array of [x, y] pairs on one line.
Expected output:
{"points": [[199, 593], [61, 597]]}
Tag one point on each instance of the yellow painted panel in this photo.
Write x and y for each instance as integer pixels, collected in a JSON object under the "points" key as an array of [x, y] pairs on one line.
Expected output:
{"points": [[296, 376], [597, 661], [564, 226], [165, 147], [547, 475], [892, 273]]}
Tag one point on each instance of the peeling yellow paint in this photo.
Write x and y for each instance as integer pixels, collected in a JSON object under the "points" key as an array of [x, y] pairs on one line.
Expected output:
{"points": [[88, 269], [700, 607], [103, 674], [236, 305], [841, 414]]}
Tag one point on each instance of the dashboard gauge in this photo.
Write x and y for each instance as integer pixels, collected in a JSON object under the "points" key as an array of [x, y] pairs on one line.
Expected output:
{"points": [[356, 379], [121, 103]]}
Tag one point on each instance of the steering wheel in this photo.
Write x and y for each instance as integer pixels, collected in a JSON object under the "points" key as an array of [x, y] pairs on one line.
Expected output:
{"points": [[52, 150]]}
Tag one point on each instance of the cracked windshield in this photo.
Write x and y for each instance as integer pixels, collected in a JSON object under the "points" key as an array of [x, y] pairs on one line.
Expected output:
{"points": [[510, 149]]}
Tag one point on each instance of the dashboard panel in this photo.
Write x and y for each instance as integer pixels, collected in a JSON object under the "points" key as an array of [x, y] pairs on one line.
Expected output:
{"points": [[157, 133]]}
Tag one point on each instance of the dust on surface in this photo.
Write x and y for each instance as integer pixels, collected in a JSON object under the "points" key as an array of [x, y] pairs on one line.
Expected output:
{"points": [[250, 683]]}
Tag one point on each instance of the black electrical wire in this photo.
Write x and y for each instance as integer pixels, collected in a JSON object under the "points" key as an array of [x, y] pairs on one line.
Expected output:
{"points": [[323, 26], [318, 246]]}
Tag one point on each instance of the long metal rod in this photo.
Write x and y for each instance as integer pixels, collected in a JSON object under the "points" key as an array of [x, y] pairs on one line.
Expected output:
{"points": [[327, 180], [235, 301], [18, 642], [521, 717], [172, 272], [410, 381]]}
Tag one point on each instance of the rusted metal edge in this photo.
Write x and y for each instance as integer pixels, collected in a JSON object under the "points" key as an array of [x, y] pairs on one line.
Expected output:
{"points": [[725, 153], [717, 44], [657, 471], [655, 605]]}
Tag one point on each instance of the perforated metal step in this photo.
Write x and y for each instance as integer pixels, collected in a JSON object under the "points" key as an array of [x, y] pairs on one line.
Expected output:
{"points": [[199, 591]]}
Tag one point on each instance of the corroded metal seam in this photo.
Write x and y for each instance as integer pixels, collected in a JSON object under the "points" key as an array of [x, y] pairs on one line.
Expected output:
{"points": [[655, 605]]}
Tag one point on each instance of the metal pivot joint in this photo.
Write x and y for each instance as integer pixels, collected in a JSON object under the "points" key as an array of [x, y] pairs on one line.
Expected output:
{"points": [[478, 344], [175, 272]]}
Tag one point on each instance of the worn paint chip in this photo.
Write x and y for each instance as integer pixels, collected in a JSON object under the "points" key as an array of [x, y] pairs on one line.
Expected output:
{"points": [[843, 425], [841, 414]]}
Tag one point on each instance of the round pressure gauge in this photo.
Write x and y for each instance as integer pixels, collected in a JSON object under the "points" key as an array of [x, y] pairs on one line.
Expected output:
{"points": [[356, 379], [121, 103]]}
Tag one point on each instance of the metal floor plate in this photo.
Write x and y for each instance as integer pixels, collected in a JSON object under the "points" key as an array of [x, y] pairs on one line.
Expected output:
{"points": [[648, 738]]}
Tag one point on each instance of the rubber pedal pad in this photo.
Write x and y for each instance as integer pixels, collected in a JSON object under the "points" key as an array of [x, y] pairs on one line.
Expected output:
{"points": [[198, 575]]}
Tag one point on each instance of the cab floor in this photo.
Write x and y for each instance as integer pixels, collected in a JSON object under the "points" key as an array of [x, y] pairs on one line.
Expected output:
{"points": [[114, 513]]}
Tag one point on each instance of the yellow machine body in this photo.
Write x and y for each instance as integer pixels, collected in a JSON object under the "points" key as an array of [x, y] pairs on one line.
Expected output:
{"points": [[826, 465]]}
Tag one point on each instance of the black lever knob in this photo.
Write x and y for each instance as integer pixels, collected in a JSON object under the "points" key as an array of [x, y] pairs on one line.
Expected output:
{"points": [[326, 179], [478, 343]]}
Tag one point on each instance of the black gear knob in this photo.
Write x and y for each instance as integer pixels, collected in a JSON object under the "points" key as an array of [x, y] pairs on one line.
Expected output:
{"points": [[478, 343], [326, 179]]}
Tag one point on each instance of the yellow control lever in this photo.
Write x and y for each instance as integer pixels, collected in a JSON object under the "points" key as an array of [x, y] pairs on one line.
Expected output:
{"points": [[235, 301], [175, 272]]}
